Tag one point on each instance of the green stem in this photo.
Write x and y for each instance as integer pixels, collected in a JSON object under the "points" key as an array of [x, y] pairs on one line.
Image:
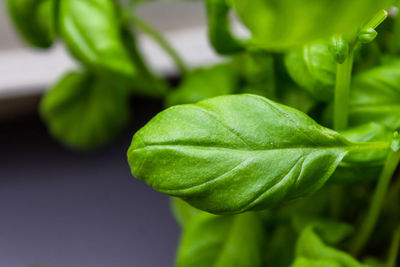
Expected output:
{"points": [[162, 42], [376, 205], [342, 92], [394, 249], [377, 20]]}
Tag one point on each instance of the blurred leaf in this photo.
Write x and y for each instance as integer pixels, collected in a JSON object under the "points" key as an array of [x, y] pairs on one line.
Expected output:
{"points": [[204, 83], [221, 241], [84, 111], [34, 20]]}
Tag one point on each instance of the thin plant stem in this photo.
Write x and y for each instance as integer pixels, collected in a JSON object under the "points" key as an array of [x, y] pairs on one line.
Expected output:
{"points": [[161, 41], [342, 92], [394, 249], [375, 208]]}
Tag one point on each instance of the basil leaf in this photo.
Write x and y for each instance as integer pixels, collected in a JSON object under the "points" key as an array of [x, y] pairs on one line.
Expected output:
{"points": [[84, 111], [182, 211], [95, 41], [375, 96], [34, 20], [280, 24], [313, 68], [311, 247], [230, 154], [221, 241], [204, 83]]}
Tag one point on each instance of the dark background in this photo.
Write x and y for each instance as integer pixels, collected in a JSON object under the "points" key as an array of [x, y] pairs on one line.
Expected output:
{"points": [[62, 208]]}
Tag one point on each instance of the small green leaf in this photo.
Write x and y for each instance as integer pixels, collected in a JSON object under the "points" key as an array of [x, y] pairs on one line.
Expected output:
{"points": [[34, 20], [312, 248], [91, 31], [313, 67], [204, 83], [230, 154], [221, 241], [84, 111], [375, 96]]}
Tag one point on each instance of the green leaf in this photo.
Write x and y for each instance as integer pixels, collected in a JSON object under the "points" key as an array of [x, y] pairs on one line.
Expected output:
{"points": [[365, 165], [311, 247], [219, 28], [204, 83], [95, 41], [219, 241], [375, 96], [313, 67], [182, 211], [34, 20], [280, 24], [230, 154], [84, 111]]}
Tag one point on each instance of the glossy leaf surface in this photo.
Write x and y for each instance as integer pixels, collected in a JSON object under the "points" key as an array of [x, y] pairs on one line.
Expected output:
{"points": [[235, 153], [83, 111], [219, 241]]}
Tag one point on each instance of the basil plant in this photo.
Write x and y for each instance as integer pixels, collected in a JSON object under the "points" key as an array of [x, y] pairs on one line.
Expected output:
{"points": [[285, 154]]}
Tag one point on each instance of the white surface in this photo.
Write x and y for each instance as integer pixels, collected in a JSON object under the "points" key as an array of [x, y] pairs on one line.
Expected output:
{"points": [[25, 71]]}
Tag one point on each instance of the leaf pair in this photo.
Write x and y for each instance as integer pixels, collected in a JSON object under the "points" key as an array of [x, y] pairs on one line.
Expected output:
{"points": [[235, 153]]}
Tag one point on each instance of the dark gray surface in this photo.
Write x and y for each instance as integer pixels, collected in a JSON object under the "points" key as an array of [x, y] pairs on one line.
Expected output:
{"points": [[66, 209]]}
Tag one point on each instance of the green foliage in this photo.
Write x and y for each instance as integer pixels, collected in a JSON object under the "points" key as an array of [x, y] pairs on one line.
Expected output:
{"points": [[290, 191], [282, 24], [313, 67], [101, 48], [34, 20], [221, 241], [83, 111], [312, 250], [376, 96], [204, 83], [207, 152], [219, 29]]}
